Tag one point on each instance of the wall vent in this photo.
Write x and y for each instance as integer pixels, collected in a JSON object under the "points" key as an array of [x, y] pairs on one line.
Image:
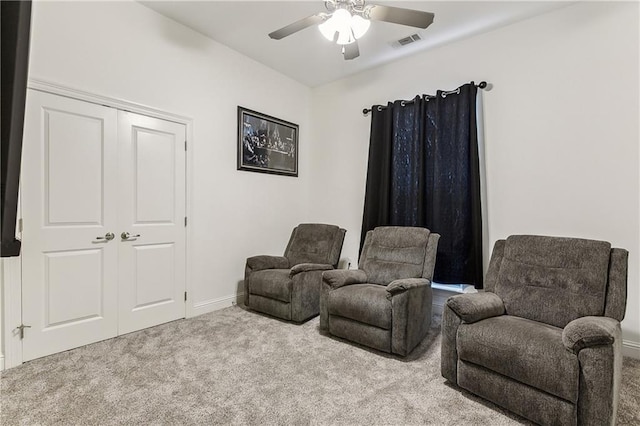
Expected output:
{"points": [[406, 40]]}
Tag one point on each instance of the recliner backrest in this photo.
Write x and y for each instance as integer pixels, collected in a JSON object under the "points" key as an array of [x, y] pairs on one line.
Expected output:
{"points": [[315, 243], [393, 252], [553, 279]]}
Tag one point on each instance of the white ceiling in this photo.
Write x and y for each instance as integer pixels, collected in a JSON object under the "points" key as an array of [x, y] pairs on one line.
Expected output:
{"points": [[312, 60]]}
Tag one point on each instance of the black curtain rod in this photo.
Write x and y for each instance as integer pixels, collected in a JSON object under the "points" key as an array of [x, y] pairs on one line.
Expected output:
{"points": [[481, 85]]}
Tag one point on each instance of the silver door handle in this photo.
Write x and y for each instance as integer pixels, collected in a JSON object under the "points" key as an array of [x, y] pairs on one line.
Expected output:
{"points": [[108, 236], [126, 236]]}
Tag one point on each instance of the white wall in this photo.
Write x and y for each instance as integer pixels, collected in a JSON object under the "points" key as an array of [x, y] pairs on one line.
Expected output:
{"points": [[561, 127], [126, 51]]}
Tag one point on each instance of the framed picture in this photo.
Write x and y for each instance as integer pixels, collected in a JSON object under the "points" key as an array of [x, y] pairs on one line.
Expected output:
{"points": [[266, 144]]}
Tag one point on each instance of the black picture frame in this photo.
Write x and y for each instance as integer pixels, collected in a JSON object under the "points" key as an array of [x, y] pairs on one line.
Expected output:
{"points": [[266, 144]]}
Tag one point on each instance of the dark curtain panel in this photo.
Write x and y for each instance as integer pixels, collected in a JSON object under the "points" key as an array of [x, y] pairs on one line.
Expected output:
{"points": [[424, 171], [15, 29]]}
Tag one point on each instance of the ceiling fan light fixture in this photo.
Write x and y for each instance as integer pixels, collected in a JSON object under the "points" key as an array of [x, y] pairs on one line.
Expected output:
{"points": [[349, 20], [342, 23], [345, 37], [359, 25], [341, 19], [328, 29]]}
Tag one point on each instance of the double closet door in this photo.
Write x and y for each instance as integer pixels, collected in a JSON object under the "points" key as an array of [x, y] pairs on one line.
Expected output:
{"points": [[103, 218]]}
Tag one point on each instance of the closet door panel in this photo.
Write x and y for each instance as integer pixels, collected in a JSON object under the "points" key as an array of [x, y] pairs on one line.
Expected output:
{"points": [[69, 207], [152, 231], [103, 202]]}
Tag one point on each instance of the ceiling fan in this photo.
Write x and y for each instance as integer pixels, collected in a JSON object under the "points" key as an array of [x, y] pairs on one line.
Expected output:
{"points": [[348, 20]]}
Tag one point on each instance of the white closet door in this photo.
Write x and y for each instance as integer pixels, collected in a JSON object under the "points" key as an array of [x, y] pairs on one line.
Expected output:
{"points": [[69, 190], [152, 212]]}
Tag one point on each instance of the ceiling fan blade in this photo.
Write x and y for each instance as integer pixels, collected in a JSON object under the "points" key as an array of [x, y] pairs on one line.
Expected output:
{"points": [[351, 51], [297, 26], [397, 15]]}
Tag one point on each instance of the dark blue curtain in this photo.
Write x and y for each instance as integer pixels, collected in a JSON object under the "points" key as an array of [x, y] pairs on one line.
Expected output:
{"points": [[424, 171]]}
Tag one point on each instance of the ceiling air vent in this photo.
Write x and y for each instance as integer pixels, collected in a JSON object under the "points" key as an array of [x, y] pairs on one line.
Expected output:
{"points": [[406, 40]]}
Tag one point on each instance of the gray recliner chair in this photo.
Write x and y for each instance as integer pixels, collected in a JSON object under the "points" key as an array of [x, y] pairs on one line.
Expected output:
{"points": [[386, 303], [288, 286], [544, 339]]}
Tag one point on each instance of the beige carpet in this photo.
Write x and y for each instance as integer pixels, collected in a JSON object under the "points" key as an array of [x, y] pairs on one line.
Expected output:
{"points": [[238, 367]]}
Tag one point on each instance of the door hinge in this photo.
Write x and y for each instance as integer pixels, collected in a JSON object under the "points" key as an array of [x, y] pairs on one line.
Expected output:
{"points": [[185, 145], [20, 225], [21, 328], [185, 221], [185, 296]]}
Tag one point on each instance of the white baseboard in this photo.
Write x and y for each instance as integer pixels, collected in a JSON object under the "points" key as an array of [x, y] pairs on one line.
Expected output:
{"points": [[631, 349], [1, 362], [215, 304]]}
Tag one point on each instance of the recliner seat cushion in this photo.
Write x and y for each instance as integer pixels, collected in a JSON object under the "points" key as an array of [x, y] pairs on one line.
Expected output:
{"points": [[366, 303], [553, 280], [271, 283], [524, 350]]}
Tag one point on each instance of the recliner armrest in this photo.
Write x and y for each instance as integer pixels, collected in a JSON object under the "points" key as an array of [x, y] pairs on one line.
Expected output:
{"points": [[341, 277], [590, 331], [404, 284], [306, 267], [474, 307], [258, 263]]}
